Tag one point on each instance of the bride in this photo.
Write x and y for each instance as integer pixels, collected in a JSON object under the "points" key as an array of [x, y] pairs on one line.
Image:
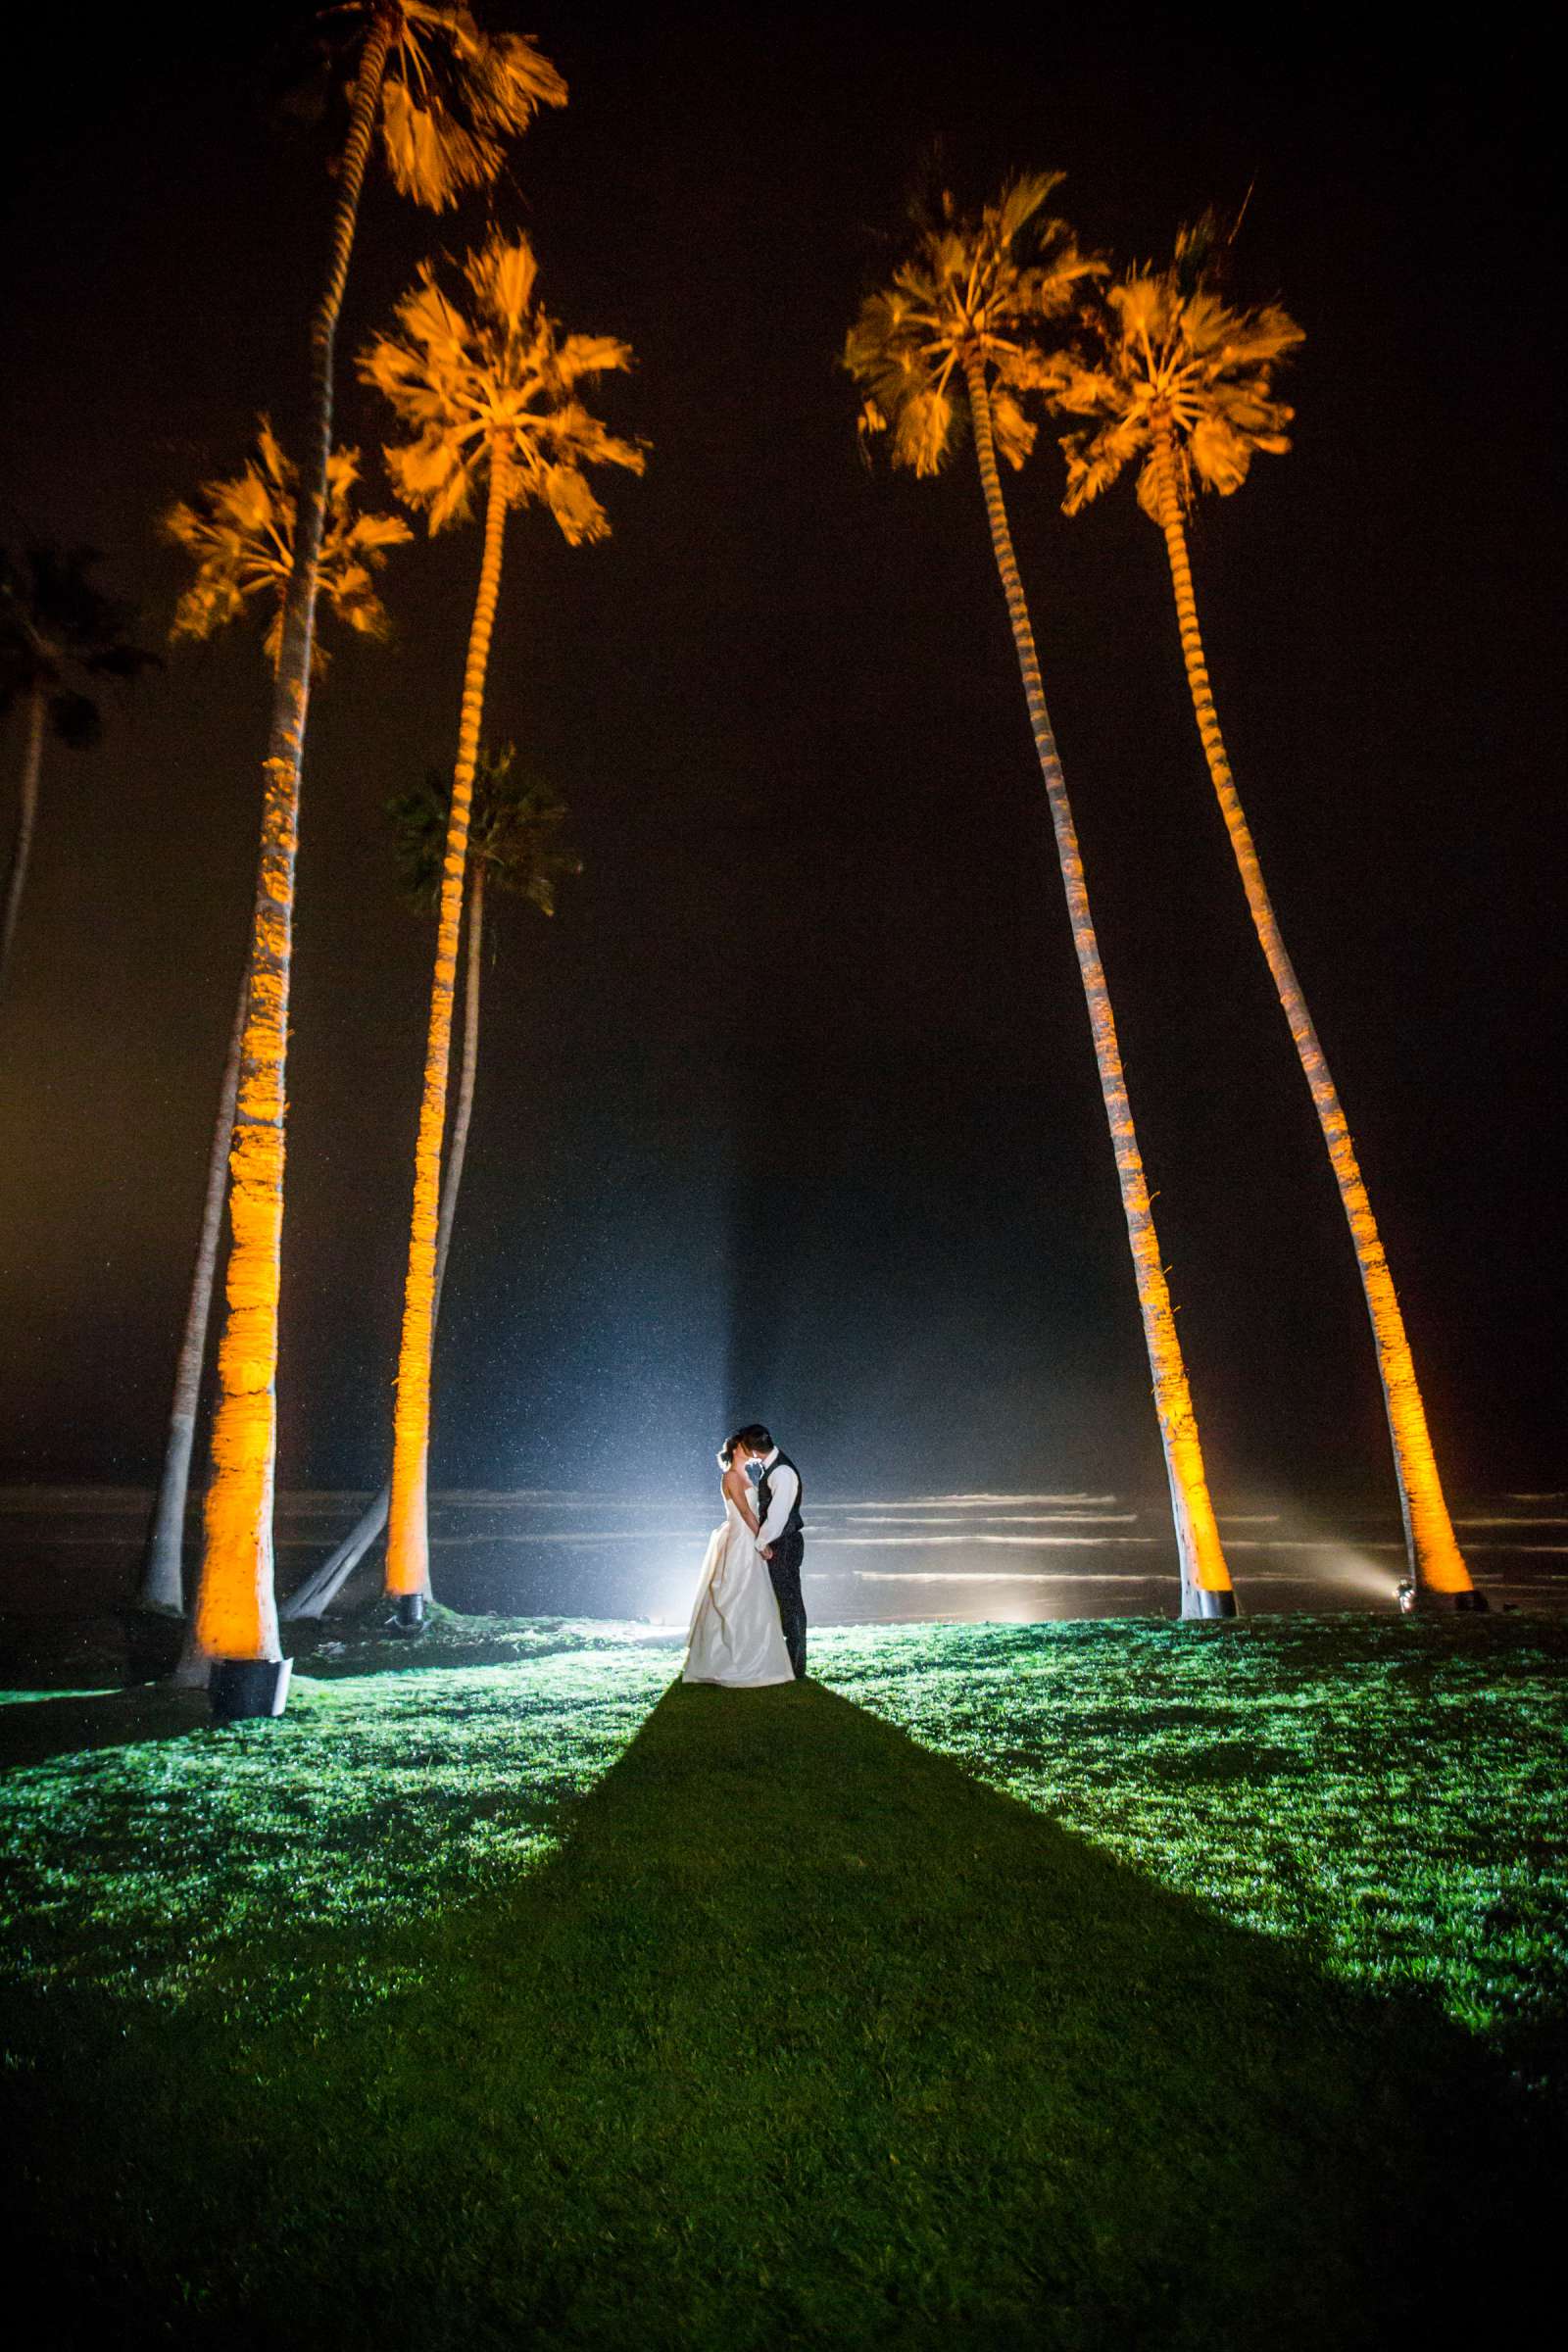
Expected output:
{"points": [[735, 1634]]}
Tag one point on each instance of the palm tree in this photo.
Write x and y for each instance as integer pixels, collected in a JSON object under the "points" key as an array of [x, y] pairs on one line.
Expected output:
{"points": [[1183, 385], [447, 99], [956, 331], [492, 403], [239, 533], [513, 846], [60, 637]]}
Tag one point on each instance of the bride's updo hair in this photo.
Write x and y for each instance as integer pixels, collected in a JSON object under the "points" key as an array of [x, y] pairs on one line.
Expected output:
{"points": [[726, 1454]]}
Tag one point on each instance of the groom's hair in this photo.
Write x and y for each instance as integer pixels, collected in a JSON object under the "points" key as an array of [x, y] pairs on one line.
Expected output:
{"points": [[755, 1438]]}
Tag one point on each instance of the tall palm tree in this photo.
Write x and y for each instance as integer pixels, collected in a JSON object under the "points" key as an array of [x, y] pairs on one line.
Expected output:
{"points": [[60, 637], [513, 846], [491, 400], [240, 534], [956, 333], [1182, 385], [447, 99]]}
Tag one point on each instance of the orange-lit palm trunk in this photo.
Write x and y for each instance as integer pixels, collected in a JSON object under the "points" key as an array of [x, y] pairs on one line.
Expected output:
{"points": [[322, 1586], [163, 1583], [1205, 1580], [408, 1548], [236, 1609], [1436, 1560]]}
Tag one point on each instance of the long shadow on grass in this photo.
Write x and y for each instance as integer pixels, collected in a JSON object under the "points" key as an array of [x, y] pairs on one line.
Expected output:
{"points": [[803, 2038], [34, 1730]]}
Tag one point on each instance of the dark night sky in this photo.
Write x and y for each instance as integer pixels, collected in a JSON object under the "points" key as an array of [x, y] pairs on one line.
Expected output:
{"points": [[783, 705]]}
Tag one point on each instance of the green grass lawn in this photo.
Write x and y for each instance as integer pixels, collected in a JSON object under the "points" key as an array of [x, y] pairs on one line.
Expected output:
{"points": [[515, 1999]]}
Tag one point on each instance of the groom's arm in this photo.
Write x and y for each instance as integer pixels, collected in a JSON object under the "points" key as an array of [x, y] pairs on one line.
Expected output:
{"points": [[783, 1492]]}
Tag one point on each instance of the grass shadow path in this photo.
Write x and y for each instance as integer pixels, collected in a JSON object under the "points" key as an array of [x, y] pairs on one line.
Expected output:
{"points": [[36, 1728], [803, 2037]]}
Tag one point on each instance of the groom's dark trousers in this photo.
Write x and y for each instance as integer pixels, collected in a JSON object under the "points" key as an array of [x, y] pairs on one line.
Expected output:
{"points": [[785, 1570]]}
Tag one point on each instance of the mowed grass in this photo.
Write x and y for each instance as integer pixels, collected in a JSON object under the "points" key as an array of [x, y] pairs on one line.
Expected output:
{"points": [[519, 2003]]}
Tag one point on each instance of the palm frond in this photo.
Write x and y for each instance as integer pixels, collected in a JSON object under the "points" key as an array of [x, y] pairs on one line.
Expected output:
{"points": [[495, 388], [56, 628], [1166, 361], [1096, 458], [503, 272], [454, 98], [513, 832], [977, 287], [577, 510], [240, 534], [1014, 431]]}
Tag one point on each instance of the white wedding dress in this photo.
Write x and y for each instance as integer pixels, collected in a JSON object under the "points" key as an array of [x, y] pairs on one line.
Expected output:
{"points": [[735, 1635]]}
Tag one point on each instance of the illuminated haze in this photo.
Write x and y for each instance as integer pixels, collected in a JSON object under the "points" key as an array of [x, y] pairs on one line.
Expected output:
{"points": [[791, 1111]]}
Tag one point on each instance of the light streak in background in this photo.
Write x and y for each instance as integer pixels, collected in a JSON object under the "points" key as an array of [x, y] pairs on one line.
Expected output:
{"points": [[939, 1542], [999, 1518], [619, 1555]]}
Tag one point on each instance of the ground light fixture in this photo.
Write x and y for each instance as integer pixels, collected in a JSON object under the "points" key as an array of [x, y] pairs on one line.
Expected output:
{"points": [[1199, 1602], [1410, 1598], [242, 1688]]}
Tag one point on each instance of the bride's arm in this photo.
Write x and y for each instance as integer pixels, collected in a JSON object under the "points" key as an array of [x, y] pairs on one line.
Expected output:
{"points": [[739, 1492]]}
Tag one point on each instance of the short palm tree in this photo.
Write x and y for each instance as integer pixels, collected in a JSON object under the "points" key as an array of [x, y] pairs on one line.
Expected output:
{"points": [[513, 846], [240, 534], [1182, 386], [447, 99], [60, 638], [490, 395], [956, 336]]}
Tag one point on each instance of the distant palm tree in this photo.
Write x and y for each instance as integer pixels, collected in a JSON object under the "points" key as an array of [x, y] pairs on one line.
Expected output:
{"points": [[492, 402], [958, 331], [239, 533], [1183, 386], [513, 845], [60, 638], [448, 100]]}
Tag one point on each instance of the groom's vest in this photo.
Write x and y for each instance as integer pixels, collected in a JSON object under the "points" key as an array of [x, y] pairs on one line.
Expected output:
{"points": [[795, 1525]]}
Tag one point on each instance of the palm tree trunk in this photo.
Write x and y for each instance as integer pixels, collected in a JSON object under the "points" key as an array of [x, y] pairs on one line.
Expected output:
{"points": [[323, 1587], [26, 820], [236, 1609], [408, 1550], [462, 1115], [161, 1578], [1436, 1560], [1205, 1580]]}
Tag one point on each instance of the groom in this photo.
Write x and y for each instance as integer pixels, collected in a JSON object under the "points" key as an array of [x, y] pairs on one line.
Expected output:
{"points": [[781, 1534]]}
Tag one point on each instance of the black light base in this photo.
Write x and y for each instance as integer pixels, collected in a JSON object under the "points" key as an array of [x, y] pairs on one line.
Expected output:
{"points": [[409, 1615], [241, 1690], [1197, 1603], [1418, 1600]]}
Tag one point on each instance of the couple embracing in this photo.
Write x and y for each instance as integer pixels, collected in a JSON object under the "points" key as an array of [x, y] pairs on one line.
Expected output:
{"points": [[749, 1624]]}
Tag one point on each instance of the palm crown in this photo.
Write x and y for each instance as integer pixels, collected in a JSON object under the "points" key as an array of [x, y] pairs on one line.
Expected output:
{"points": [[497, 387], [451, 97], [240, 535], [514, 833], [1169, 359], [974, 290], [59, 635]]}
